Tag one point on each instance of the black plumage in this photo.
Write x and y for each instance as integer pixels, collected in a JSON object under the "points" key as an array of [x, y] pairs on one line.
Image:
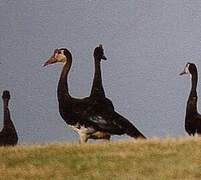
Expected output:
{"points": [[104, 106], [97, 95], [88, 116], [193, 118], [8, 135]]}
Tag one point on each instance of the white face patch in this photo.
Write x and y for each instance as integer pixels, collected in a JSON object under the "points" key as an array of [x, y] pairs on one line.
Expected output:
{"points": [[186, 69], [60, 57]]}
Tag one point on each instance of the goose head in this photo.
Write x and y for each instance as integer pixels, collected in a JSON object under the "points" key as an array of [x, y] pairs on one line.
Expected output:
{"points": [[6, 94], [190, 68], [62, 55], [99, 53]]}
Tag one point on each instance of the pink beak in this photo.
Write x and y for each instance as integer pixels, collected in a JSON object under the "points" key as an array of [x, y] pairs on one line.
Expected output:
{"points": [[51, 60]]}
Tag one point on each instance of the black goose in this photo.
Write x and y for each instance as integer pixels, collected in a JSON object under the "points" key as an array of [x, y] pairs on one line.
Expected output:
{"points": [[97, 95], [193, 118], [100, 102], [81, 114], [97, 91], [8, 135]]}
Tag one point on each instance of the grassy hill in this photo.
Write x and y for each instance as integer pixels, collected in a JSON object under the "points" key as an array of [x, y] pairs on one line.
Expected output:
{"points": [[133, 159]]}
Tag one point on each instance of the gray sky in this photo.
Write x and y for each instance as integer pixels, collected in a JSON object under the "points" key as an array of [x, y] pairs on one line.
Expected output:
{"points": [[147, 43]]}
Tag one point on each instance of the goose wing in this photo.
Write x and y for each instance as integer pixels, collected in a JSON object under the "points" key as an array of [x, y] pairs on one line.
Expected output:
{"points": [[113, 123]]}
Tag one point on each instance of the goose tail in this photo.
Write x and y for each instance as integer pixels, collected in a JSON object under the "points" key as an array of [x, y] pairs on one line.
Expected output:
{"points": [[135, 133], [128, 127]]}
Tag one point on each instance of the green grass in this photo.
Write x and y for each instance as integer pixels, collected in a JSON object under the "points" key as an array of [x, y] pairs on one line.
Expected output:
{"points": [[133, 159]]}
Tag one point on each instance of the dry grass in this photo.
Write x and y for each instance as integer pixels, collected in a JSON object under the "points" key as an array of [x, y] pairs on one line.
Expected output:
{"points": [[150, 159]]}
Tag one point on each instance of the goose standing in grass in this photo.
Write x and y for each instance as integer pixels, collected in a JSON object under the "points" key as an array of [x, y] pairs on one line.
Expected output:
{"points": [[100, 102], [81, 114], [8, 135], [97, 94], [193, 118]]}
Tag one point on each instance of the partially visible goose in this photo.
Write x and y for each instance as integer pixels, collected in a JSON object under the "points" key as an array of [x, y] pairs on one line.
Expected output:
{"points": [[193, 118], [101, 103], [81, 114], [8, 135], [97, 94], [97, 91]]}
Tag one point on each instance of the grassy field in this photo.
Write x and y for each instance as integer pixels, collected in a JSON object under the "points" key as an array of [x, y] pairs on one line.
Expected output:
{"points": [[133, 159]]}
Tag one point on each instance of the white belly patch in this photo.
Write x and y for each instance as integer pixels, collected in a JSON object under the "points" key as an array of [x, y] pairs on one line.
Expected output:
{"points": [[82, 130]]}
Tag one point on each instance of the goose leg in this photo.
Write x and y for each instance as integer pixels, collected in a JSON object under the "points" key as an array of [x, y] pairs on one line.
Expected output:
{"points": [[83, 138], [198, 133], [107, 139]]}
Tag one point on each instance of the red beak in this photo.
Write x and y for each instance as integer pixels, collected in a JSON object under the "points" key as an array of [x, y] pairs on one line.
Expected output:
{"points": [[51, 60]]}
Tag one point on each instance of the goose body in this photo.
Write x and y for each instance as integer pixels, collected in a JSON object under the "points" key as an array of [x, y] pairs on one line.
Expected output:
{"points": [[88, 116], [192, 118], [8, 135]]}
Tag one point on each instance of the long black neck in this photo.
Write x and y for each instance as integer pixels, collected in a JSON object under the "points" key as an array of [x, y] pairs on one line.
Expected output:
{"points": [[7, 124], [97, 87], [192, 100], [62, 90], [194, 81]]}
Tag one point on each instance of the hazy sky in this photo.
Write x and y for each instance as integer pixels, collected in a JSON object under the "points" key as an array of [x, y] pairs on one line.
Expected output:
{"points": [[147, 43]]}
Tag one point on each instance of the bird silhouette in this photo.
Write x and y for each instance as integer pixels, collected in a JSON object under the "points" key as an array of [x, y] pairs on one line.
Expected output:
{"points": [[8, 135]]}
